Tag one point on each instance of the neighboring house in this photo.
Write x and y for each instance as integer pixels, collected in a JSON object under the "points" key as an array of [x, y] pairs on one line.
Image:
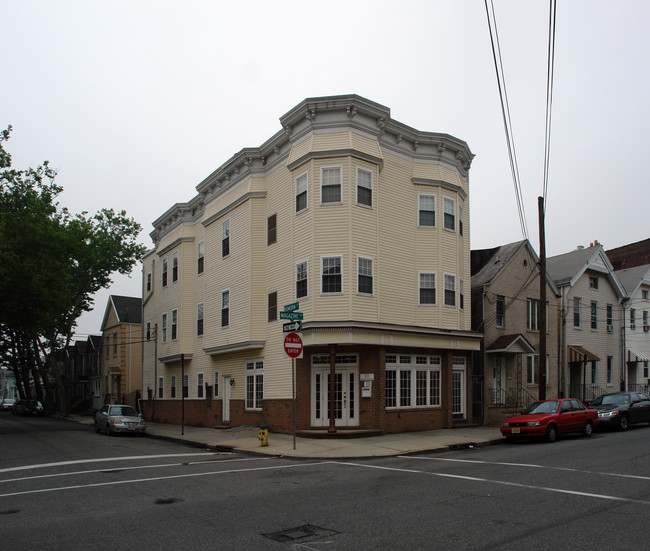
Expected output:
{"points": [[636, 333], [591, 311], [506, 309], [121, 350], [360, 219], [94, 359], [79, 374], [629, 256]]}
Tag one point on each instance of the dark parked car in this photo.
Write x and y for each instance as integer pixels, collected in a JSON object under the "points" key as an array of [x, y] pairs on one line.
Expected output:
{"points": [[621, 409], [114, 418], [549, 418], [28, 407]]}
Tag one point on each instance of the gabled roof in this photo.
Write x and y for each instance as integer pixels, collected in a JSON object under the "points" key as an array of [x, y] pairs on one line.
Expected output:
{"points": [[632, 278], [566, 269], [127, 309], [513, 344], [487, 264]]}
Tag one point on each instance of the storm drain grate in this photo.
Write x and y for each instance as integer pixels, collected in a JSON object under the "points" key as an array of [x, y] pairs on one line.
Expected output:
{"points": [[301, 534]]}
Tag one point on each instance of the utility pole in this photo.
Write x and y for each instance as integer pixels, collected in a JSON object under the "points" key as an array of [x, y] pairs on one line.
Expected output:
{"points": [[542, 301]]}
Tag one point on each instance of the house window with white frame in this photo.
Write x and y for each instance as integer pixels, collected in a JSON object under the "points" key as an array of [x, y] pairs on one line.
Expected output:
{"points": [[164, 272], [148, 282], [413, 381], [365, 278], [610, 370], [272, 229], [330, 185], [427, 210], [163, 328], [216, 384], [199, 385], [577, 321], [174, 267], [254, 384], [532, 311], [449, 213], [301, 192], [644, 294], [427, 289], [174, 324], [460, 220], [172, 388], [646, 328], [501, 311], [186, 386], [199, 320], [610, 318], [594, 372], [225, 308], [331, 275], [161, 386], [200, 260], [594, 315], [461, 294], [225, 238], [272, 306], [301, 279], [532, 369], [632, 319], [450, 290], [148, 331], [364, 187]]}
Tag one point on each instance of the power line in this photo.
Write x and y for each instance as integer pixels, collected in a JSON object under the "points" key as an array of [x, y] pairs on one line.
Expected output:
{"points": [[549, 93]]}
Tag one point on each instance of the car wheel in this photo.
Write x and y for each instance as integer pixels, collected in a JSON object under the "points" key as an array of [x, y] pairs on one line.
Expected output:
{"points": [[589, 429], [623, 423], [551, 433]]}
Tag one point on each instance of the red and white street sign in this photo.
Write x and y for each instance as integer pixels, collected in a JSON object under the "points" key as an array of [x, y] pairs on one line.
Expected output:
{"points": [[293, 345]]}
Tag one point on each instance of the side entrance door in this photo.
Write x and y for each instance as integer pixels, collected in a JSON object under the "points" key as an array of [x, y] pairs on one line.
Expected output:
{"points": [[346, 397]]}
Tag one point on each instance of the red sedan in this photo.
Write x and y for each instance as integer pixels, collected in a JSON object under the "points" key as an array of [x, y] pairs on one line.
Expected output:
{"points": [[549, 418]]}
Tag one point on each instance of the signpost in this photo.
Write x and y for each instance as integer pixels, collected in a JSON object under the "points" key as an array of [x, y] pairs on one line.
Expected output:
{"points": [[293, 348]]}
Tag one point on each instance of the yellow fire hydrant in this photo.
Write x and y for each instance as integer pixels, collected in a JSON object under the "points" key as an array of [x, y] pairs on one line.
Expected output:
{"points": [[263, 433]]}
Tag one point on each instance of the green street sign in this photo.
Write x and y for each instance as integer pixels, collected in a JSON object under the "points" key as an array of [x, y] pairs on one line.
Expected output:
{"points": [[292, 307], [291, 315]]}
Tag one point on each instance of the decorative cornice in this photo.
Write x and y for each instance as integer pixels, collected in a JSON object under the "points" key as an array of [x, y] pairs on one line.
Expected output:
{"points": [[173, 245], [442, 184], [334, 154], [388, 327], [247, 345]]}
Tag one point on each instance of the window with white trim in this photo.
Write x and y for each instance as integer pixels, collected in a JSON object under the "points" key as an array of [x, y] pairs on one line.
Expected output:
{"points": [[427, 210], [161, 386], [364, 187], [461, 294], [501, 311], [301, 279], [164, 272], [199, 385], [272, 229], [172, 388], [254, 384], [330, 185], [413, 381], [365, 277], [460, 220], [594, 314], [199, 319], [610, 370], [163, 327], [301, 192], [532, 369], [331, 275], [225, 238], [532, 312], [632, 318], [225, 308], [149, 282], [450, 290], [174, 324], [610, 318], [148, 331], [216, 384], [449, 213], [186, 386], [427, 289], [273, 306], [200, 260], [577, 322], [174, 267]]}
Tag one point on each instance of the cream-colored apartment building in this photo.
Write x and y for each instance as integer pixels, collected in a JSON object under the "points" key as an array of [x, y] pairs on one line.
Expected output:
{"points": [[361, 220]]}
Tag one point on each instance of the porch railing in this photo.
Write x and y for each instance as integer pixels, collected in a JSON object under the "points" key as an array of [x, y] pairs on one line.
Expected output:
{"points": [[511, 399], [586, 393], [635, 387]]}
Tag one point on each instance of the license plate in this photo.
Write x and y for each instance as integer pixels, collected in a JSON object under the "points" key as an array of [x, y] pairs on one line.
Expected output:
{"points": [[516, 430]]}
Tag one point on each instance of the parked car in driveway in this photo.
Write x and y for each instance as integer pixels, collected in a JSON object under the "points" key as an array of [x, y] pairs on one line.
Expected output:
{"points": [[28, 407], [7, 404], [550, 418], [621, 409], [114, 418]]}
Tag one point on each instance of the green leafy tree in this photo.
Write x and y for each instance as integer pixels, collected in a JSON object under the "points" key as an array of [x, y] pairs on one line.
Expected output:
{"points": [[51, 263]]}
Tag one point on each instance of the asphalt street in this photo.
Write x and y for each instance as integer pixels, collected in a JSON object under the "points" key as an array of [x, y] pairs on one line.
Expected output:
{"points": [[64, 487]]}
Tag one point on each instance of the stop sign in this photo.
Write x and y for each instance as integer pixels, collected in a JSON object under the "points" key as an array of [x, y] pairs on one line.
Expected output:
{"points": [[293, 345]]}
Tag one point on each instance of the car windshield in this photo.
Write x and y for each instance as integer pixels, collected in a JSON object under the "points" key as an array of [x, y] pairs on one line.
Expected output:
{"points": [[127, 411], [542, 407], [614, 399]]}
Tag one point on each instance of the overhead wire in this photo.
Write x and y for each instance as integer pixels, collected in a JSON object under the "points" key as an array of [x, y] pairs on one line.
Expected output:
{"points": [[505, 111], [549, 94]]}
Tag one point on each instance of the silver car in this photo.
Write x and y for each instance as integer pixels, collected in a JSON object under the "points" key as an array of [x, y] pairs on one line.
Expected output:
{"points": [[114, 418]]}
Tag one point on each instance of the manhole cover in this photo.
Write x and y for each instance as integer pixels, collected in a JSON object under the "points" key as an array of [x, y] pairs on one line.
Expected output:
{"points": [[301, 534]]}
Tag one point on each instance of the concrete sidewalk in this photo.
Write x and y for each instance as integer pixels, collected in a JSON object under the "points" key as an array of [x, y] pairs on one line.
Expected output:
{"points": [[244, 439]]}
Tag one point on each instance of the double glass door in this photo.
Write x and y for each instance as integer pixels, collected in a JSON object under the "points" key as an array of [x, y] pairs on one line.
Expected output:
{"points": [[346, 399]]}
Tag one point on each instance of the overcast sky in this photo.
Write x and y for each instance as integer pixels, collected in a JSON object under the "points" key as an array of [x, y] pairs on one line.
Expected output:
{"points": [[135, 102]]}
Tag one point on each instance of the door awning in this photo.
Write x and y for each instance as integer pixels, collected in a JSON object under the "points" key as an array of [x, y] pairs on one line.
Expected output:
{"points": [[635, 355], [581, 354], [511, 344]]}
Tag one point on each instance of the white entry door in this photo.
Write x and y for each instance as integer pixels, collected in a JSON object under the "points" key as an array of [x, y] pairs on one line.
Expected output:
{"points": [[346, 397], [225, 408]]}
